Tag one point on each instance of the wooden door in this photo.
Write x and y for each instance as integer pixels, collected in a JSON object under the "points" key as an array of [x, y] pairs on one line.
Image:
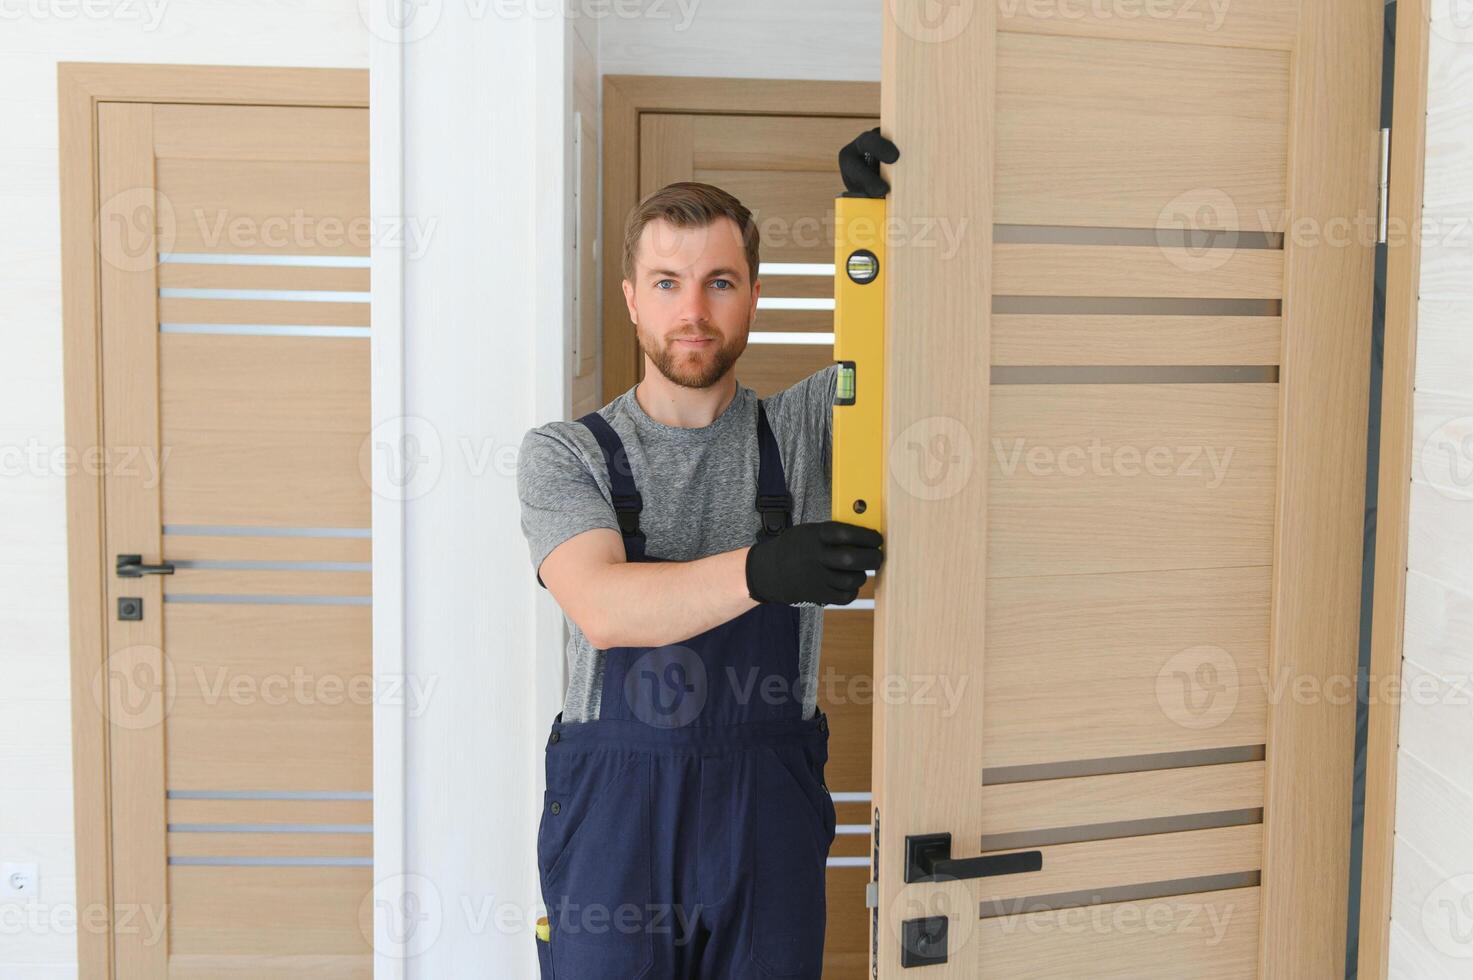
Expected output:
{"points": [[1126, 422], [237, 690], [785, 169]]}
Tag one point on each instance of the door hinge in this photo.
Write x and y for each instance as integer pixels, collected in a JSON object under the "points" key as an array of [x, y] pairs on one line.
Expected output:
{"points": [[1385, 183]]}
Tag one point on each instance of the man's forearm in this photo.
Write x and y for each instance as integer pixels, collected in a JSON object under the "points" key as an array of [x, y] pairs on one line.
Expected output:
{"points": [[647, 604]]}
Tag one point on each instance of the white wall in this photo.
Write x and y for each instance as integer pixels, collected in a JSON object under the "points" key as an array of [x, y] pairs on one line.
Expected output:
{"points": [[484, 96], [829, 39], [1432, 890], [35, 717]]}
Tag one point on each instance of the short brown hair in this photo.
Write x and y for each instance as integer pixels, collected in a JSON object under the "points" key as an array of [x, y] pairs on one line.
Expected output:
{"points": [[690, 204]]}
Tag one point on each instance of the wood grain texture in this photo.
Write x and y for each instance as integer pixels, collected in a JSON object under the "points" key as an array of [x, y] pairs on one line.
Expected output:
{"points": [[129, 686], [269, 696], [269, 844], [101, 159], [258, 132], [1328, 294], [1136, 270], [1398, 381], [1206, 936], [259, 912], [1242, 23], [1132, 134], [298, 207], [270, 811], [1083, 800], [86, 593], [264, 430], [1090, 666], [938, 344], [1111, 478], [1127, 861], [1045, 339]]}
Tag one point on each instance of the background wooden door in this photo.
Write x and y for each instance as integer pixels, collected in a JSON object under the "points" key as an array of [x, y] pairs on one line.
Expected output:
{"points": [[234, 325], [1126, 423]]}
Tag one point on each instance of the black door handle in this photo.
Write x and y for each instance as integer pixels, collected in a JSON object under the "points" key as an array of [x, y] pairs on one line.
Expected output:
{"points": [[131, 566], [928, 858]]}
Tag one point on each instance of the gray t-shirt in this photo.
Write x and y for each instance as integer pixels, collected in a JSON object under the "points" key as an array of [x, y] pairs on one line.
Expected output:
{"points": [[699, 487]]}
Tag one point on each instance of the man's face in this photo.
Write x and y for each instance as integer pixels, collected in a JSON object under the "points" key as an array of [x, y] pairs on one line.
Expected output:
{"points": [[691, 301]]}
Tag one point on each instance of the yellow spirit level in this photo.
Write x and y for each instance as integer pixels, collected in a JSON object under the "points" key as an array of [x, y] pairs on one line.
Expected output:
{"points": [[859, 349]]}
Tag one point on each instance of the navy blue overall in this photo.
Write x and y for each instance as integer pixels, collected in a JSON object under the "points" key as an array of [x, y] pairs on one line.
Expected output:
{"points": [[685, 832]]}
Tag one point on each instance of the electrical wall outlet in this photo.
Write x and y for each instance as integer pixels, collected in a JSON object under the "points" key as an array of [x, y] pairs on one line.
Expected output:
{"points": [[19, 880]]}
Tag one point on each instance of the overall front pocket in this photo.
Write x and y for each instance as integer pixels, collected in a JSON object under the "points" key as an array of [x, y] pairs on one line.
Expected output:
{"points": [[595, 850], [790, 835]]}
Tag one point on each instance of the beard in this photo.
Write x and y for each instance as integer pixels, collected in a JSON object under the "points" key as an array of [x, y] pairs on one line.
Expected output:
{"points": [[692, 369]]}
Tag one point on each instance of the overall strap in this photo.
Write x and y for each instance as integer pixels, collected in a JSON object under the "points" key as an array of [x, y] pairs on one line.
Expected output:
{"points": [[774, 502], [627, 501]]}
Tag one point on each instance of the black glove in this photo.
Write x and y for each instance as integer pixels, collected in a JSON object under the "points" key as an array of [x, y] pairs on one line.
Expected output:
{"points": [[859, 164], [820, 562]]}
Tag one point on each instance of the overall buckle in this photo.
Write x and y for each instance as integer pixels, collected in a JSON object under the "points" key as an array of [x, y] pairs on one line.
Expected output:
{"points": [[776, 510], [627, 506]]}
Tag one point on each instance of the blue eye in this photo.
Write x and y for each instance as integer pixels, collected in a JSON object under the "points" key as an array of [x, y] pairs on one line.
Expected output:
{"points": [[662, 281], [728, 282]]}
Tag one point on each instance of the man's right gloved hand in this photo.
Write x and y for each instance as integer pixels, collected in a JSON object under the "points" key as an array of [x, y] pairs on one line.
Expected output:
{"points": [[821, 562]]}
